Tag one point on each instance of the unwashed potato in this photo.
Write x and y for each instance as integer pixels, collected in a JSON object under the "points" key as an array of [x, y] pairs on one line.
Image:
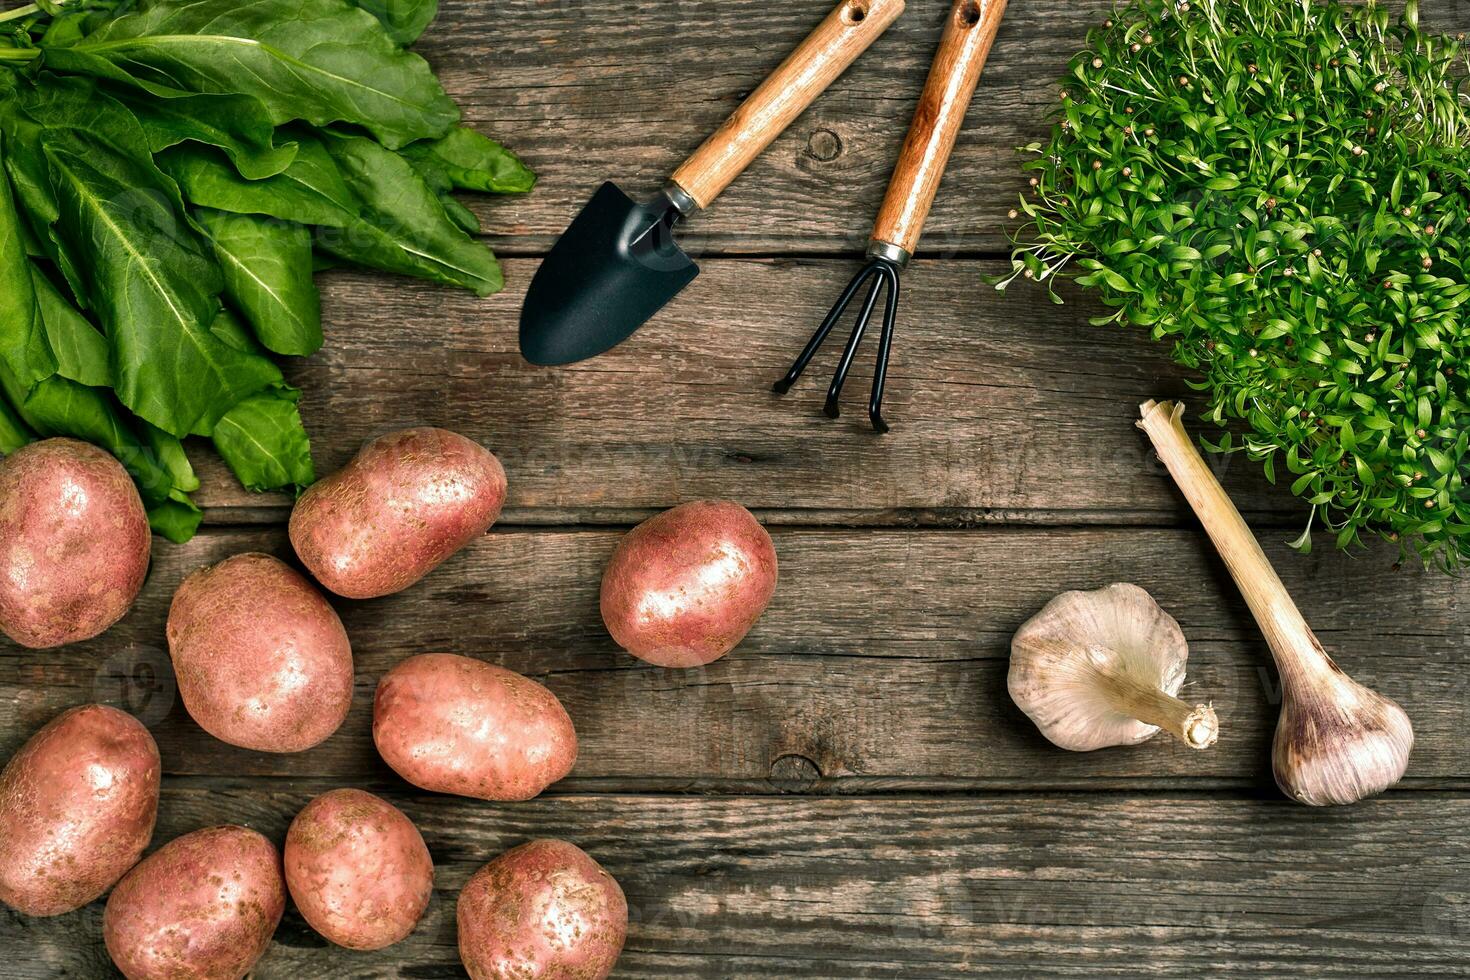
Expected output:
{"points": [[358, 869], [684, 588], [407, 501], [262, 659], [544, 910], [74, 543], [203, 906], [455, 725], [77, 806]]}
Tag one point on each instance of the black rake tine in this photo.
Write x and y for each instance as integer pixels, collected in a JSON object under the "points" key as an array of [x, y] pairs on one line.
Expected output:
{"points": [[880, 374], [832, 409], [820, 337]]}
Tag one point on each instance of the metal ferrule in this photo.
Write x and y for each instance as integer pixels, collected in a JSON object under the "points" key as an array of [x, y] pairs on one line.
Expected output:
{"points": [[681, 199], [889, 252]]}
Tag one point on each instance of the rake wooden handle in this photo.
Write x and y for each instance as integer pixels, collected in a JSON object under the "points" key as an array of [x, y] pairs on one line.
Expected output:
{"points": [[968, 36], [836, 43]]}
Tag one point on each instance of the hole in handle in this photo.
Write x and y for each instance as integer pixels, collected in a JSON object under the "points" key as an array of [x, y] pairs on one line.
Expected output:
{"points": [[969, 14], [857, 12]]}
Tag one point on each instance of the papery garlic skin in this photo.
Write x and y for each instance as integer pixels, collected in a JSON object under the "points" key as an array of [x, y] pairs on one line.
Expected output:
{"points": [[1099, 669], [1338, 742]]}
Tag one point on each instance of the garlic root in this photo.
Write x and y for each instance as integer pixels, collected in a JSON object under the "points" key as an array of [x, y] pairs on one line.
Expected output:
{"points": [[1196, 725], [1337, 742], [1098, 669]]}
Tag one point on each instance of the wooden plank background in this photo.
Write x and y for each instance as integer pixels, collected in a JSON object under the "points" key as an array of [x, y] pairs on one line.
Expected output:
{"points": [[851, 793]]}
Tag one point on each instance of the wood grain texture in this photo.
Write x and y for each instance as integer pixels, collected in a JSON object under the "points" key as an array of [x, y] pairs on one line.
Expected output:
{"points": [[968, 36], [880, 664], [848, 31], [587, 97], [851, 793], [1009, 886], [1004, 407], [588, 94]]}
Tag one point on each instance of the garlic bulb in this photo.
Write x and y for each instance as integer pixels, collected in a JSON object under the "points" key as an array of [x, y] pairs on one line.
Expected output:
{"points": [[1096, 669], [1337, 742]]}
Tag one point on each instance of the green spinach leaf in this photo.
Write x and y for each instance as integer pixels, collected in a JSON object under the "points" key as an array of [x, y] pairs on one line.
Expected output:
{"points": [[370, 207], [28, 240], [168, 450], [310, 191], [58, 102], [268, 277], [58, 407], [166, 163], [404, 20], [237, 124], [414, 234], [323, 61], [462, 216], [24, 347], [264, 442], [82, 354], [155, 288], [13, 431], [228, 328], [177, 518], [78, 106], [469, 161], [33, 196]]}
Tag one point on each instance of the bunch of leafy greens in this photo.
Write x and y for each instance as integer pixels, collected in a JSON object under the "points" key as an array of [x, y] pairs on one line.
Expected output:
{"points": [[171, 173], [1279, 188]]}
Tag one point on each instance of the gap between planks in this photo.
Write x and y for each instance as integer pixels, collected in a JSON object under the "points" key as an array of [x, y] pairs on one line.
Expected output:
{"points": [[880, 789], [551, 520]]}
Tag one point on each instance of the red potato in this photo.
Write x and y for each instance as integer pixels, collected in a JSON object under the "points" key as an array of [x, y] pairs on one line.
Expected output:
{"points": [[261, 658], [455, 725], [204, 906], [77, 806], [404, 504], [541, 911], [684, 588], [74, 543], [358, 869]]}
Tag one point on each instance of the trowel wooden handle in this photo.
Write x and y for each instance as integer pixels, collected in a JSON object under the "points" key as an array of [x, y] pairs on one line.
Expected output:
{"points": [[968, 35], [846, 33]]}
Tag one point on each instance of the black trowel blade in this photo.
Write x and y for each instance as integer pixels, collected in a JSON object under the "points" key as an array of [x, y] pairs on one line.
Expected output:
{"points": [[613, 269]]}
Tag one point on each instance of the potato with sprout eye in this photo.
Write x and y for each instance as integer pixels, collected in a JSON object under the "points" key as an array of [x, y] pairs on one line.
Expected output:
{"points": [[358, 869], [77, 807], [543, 910], [261, 658], [74, 543], [202, 906], [452, 724], [406, 503], [1097, 669]]}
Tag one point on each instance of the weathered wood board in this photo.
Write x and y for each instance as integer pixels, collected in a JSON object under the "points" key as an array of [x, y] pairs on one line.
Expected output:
{"points": [[1004, 408], [999, 886], [851, 793], [590, 93], [881, 664]]}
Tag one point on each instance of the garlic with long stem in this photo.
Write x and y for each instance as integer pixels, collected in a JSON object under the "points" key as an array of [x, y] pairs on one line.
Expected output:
{"points": [[1337, 742], [1097, 669]]}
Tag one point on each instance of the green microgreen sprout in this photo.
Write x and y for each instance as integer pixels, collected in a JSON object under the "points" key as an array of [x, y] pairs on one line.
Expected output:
{"points": [[1279, 189]]}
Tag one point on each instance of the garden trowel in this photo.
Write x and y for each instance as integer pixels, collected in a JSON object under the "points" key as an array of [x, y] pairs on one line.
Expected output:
{"points": [[618, 263]]}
